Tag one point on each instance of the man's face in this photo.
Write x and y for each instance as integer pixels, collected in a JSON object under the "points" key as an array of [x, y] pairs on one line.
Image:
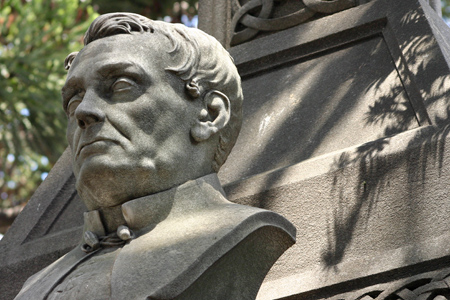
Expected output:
{"points": [[129, 120]]}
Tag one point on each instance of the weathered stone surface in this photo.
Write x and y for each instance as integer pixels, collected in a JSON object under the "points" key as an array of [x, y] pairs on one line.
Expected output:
{"points": [[334, 86], [238, 21], [371, 215], [153, 112], [348, 111], [270, 17], [214, 17], [364, 211]]}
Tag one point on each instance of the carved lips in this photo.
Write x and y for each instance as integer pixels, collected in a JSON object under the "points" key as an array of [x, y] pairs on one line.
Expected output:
{"points": [[95, 146]]}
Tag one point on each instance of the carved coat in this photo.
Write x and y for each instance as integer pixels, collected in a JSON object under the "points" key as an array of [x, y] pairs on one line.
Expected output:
{"points": [[191, 243]]}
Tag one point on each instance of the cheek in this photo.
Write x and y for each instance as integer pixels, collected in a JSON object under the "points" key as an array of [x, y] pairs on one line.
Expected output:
{"points": [[70, 133], [161, 119]]}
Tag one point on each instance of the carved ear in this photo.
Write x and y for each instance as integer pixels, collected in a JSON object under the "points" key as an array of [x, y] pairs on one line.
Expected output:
{"points": [[212, 119]]}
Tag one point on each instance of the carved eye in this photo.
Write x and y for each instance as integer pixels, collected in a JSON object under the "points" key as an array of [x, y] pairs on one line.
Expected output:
{"points": [[73, 103], [122, 84]]}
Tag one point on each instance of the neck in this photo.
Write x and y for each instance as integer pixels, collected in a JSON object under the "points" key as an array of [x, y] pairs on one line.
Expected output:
{"points": [[145, 212], [112, 218]]}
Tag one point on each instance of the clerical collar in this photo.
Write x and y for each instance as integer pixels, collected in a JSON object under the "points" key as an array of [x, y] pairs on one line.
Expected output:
{"points": [[145, 212]]}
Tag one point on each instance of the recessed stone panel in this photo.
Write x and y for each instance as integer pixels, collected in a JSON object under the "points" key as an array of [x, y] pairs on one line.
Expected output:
{"points": [[336, 99]]}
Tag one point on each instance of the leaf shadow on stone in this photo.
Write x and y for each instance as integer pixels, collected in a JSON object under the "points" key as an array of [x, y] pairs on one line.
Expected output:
{"points": [[373, 167]]}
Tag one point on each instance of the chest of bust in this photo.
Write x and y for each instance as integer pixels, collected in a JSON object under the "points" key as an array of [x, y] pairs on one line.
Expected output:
{"points": [[90, 279]]}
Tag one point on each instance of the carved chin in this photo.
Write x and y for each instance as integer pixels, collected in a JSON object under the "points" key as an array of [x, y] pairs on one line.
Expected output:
{"points": [[103, 183], [96, 195]]}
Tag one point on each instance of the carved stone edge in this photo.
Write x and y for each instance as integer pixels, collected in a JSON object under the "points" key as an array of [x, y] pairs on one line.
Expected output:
{"points": [[326, 163], [396, 264], [263, 22]]}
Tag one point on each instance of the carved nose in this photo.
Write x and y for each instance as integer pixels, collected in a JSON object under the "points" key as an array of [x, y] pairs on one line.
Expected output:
{"points": [[88, 112]]}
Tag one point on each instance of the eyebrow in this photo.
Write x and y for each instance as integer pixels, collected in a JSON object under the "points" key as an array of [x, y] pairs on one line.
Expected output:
{"points": [[107, 70], [111, 69], [68, 89]]}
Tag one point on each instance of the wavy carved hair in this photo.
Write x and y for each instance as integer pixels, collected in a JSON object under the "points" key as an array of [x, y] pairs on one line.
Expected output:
{"points": [[199, 60]]}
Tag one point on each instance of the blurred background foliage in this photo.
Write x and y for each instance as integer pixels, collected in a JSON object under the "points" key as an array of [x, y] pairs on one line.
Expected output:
{"points": [[36, 36], [446, 10]]}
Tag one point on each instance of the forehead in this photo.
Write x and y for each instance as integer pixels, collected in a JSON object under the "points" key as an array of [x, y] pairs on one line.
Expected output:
{"points": [[146, 50]]}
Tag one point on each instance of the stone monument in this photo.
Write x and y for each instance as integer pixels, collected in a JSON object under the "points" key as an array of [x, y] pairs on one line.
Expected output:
{"points": [[350, 123], [153, 112], [346, 124]]}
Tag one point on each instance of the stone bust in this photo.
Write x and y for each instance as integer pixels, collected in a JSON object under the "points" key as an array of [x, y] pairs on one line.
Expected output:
{"points": [[153, 112]]}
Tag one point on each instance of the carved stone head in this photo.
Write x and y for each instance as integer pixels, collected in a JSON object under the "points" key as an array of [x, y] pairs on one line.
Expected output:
{"points": [[150, 105]]}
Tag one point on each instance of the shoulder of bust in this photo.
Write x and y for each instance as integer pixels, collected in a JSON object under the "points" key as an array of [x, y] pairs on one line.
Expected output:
{"points": [[178, 251]]}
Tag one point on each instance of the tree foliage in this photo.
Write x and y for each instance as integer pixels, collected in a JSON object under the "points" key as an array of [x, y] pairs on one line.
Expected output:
{"points": [[153, 9], [446, 9], [36, 36]]}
